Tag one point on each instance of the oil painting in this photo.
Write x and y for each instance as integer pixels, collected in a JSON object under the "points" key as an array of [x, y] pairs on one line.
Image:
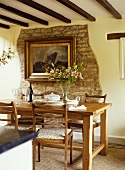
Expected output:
{"points": [[39, 56]]}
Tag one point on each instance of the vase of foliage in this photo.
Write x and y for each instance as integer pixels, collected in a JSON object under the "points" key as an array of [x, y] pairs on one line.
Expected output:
{"points": [[66, 76], [65, 89]]}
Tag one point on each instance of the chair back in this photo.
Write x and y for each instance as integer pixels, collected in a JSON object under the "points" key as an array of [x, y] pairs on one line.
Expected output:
{"points": [[53, 112], [46, 93], [10, 113], [47, 112], [95, 98]]}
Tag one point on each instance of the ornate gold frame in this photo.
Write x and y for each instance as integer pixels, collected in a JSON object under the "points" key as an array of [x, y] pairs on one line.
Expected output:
{"points": [[30, 46]]}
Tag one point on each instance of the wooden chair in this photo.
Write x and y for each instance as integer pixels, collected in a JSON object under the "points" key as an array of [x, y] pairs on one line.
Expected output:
{"points": [[28, 119], [45, 93], [54, 134], [96, 121], [9, 112]]}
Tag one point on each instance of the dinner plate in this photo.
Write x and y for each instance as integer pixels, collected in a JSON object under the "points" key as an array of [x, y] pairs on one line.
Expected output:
{"points": [[38, 101], [54, 102], [50, 101], [44, 100]]}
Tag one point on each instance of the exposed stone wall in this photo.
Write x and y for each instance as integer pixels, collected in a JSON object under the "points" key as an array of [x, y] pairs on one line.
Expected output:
{"points": [[84, 53]]}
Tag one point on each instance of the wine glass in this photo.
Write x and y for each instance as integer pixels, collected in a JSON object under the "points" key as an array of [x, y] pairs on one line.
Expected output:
{"points": [[26, 93], [20, 94], [15, 93]]}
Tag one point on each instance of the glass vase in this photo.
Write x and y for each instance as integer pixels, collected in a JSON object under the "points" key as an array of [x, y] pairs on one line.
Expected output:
{"points": [[65, 89]]}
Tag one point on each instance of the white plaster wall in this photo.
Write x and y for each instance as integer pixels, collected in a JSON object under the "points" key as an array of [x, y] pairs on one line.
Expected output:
{"points": [[9, 73], [108, 54]]}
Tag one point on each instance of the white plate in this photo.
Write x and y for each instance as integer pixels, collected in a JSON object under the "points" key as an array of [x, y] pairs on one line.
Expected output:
{"points": [[44, 100], [50, 101], [38, 101], [54, 102], [59, 103]]}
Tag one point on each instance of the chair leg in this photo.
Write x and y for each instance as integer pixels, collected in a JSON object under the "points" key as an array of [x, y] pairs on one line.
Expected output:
{"points": [[68, 126], [65, 161], [71, 143], [38, 152], [42, 122], [93, 138]]}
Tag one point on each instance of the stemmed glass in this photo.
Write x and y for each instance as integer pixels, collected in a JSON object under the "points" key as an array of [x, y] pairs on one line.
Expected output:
{"points": [[26, 93], [15, 93]]}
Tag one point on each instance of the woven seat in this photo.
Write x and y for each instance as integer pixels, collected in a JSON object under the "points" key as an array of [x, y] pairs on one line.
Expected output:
{"points": [[20, 127], [52, 133]]}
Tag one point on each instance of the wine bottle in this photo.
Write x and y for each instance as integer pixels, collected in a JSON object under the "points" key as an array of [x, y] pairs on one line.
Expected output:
{"points": [[30, 94]]}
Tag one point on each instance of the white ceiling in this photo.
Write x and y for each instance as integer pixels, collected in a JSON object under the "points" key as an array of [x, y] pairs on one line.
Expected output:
{"points": [[90, 6]]}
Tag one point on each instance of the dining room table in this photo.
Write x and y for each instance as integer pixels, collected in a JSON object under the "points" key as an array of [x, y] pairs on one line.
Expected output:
{"points": [[92, 110]]}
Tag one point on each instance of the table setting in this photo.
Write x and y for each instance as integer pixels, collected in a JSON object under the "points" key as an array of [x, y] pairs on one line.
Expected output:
{"points": [[55, 99]]}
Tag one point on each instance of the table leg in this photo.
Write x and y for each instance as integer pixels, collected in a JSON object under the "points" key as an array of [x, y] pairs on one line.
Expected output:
{"points": [[104, 134], [87, 142]]}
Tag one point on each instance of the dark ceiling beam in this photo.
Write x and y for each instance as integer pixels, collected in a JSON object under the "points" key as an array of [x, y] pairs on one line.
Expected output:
{"points": [[77, 9], [45, 10], [14, 21], [23, 14], [4, 26], [110, 8], [113, 36]]}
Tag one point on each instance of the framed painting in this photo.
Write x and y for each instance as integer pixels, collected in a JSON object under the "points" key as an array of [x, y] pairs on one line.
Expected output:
{"points": [[39, 56]]}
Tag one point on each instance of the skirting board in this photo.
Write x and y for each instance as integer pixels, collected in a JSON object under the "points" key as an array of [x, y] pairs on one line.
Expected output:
{"points": [[111, 139]]}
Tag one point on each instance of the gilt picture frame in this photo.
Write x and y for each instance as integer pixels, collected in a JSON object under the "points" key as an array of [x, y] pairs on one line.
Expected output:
{"points": [[40, 54]]}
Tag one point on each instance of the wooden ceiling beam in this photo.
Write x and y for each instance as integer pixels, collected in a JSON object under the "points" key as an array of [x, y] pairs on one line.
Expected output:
{"points": [[4, 26], [113, 36], [77, 9], [45, 10], [14, 21], [23, 14], [110, 8]]}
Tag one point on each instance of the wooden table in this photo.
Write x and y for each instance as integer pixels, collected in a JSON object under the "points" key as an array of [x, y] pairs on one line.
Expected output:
{"points": [[93, 109]]}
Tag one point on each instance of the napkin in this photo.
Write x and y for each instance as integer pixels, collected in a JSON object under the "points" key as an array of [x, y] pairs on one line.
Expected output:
{"points": [[82, 107]]}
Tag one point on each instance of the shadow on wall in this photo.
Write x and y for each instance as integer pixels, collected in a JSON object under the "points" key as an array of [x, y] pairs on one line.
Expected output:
{"points": [[9, 78]]}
